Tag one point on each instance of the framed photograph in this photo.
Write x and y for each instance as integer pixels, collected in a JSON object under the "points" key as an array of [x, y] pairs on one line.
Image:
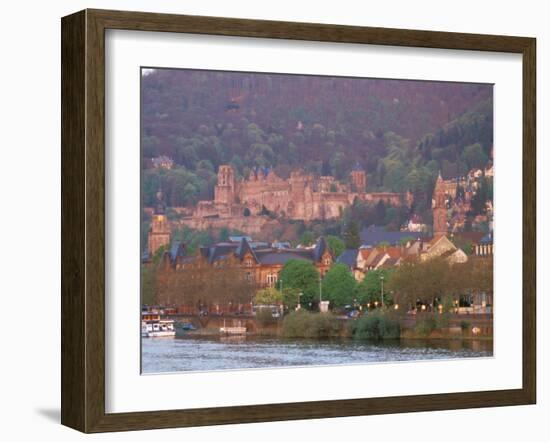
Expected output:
{"points": [[268, 220]]}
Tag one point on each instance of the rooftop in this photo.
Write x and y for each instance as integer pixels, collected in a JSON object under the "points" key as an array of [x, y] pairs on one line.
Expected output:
{"points": [[374, 235]]}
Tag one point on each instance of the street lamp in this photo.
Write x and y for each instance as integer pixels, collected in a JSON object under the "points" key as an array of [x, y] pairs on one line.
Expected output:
{"points": [[382, 290], [320, 291]]}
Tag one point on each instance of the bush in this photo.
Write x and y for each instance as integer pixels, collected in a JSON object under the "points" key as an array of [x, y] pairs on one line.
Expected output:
{"points": [[443, 320], [376, 326], [465, 326], [389, 328], [425, 326], [265, 316], [303, 324]]}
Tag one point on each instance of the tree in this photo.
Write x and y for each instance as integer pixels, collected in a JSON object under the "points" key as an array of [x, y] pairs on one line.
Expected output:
{"points": [[336, 245], [303, 276], [481, 196], [224, 234], [369, 290], [352, 238], [339, 286], [463, 244], [380, 213], [268, 296], [291, 297], [474, 156], [148, 284], [307, 238], [199, 283]]}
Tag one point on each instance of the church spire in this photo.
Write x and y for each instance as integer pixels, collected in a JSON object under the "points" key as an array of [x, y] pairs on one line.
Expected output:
{"points": [[439, 207]]}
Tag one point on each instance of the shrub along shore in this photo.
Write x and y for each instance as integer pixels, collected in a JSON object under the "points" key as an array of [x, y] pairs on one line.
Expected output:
{"points": [[377, 325], [374, 326]]}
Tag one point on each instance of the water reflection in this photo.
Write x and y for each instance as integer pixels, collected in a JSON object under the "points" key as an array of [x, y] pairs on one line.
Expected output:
{"points": [[238, 352]]}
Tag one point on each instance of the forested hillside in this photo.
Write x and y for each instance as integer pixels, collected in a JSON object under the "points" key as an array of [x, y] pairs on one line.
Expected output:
{"points": [[401, 132]]}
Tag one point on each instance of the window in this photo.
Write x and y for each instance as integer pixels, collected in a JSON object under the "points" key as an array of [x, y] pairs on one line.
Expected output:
{"points": [[272, 279]]}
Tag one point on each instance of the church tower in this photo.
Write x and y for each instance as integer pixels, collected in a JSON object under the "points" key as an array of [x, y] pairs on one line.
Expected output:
{"points": [[225, 189], [439, 208], [159, 232], [358, 179]]}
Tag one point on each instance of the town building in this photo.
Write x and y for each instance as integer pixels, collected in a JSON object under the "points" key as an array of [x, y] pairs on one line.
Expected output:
{"points": [[261, 263], [373, 235], [481, 243], [162, 162]]}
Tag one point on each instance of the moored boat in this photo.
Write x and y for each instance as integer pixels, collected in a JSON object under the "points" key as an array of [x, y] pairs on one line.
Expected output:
{"points": [[152, 326]]}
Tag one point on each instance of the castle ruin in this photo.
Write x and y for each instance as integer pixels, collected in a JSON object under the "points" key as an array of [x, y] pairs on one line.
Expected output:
{"points": [[240, 204]]}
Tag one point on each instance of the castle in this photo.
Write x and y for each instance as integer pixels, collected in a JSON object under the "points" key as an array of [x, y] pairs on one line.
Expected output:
{"points": [[240, 204]]}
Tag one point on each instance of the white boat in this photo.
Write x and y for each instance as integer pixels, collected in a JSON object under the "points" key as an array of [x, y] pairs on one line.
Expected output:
{"points": [[154, 327]]}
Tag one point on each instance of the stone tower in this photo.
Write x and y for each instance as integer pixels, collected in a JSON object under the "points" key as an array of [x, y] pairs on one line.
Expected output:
{"points": [[225, 190], [159, 233], [358, 179], [439, 208]]}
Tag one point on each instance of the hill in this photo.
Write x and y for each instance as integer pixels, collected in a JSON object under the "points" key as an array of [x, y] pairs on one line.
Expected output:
{"points": [[401, 132]]}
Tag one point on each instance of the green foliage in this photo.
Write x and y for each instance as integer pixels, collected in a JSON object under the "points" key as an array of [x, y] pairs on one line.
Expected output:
{"points": [[426, 280], [352, 238], [364, 214], [336, 245], [304, 324], [291, 297], [443, 320], [425, 326], [474, 156], [376, 326], [265, 316], [465, 326], [463, 244], [193, 239], [369, 290], [338, 286], [303, 276], [148, 285], [268, 296], [307, 238], [483, 193]]}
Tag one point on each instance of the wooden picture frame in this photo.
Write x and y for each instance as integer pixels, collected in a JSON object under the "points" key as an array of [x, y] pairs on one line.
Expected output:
{"points": [[83, 220]]}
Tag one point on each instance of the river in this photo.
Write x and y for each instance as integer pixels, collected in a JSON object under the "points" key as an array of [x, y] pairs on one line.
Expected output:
{"points": [[161, 355]]}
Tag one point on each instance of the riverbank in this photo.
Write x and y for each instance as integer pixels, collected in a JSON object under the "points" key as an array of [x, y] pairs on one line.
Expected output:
{"points": [[375, 325]]}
